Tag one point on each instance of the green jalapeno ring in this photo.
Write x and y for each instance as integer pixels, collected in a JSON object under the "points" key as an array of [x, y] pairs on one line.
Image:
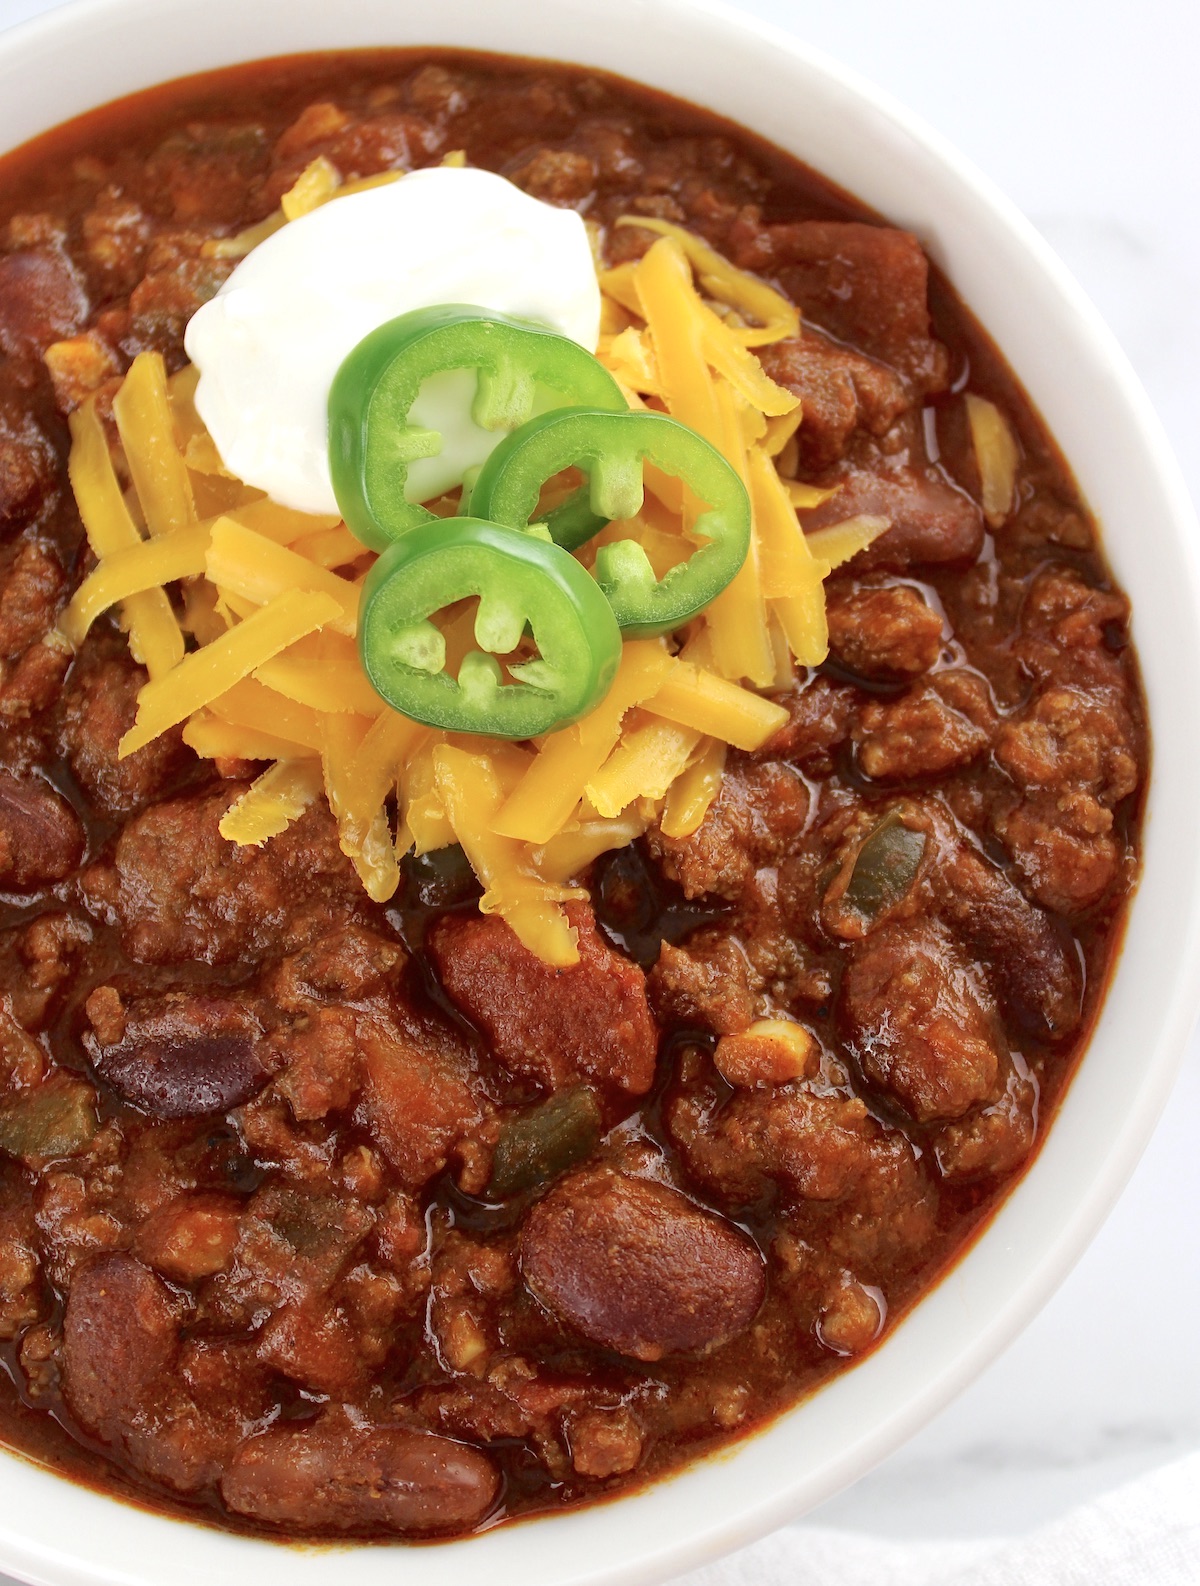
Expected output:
{"points": [[611, 449], [522, 581], [372, 443]]}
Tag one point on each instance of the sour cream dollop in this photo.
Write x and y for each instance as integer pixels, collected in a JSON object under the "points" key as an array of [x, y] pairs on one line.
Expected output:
{"points": [[270, 342]]}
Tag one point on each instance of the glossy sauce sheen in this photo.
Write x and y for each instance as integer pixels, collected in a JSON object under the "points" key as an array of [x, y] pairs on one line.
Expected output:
{"points": [[306, 1206]]}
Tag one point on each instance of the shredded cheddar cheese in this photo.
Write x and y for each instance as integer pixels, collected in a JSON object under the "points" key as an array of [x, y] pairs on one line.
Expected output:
{"points": [[155, 637], [545, 798], [206, 674], [160, 476], [996, 455], [215, 739], [357, 801], [243, 563], [693, 791], [735, 288], [244, 611], [143, 566], [281, 794], [323, 685], [695, 698], [315, 186], [471, 795], [643, 765], [254, 707]]}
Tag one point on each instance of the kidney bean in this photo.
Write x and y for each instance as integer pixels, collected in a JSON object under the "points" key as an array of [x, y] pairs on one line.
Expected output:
{"points": [[42, 299], [120, 1334], [336, 1476], [637, 1267], [1028, 956], [41, 839], [182, 1056]]}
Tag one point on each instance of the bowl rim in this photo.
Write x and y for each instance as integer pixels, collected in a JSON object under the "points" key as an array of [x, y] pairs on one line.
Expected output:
{"points": [[659, 1532]]}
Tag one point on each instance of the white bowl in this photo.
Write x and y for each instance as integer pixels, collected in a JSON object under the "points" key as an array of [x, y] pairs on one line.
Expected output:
{"points": [[56, 1533]]}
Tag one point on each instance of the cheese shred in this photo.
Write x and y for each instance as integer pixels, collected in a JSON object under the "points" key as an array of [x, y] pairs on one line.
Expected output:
{"points": [[280, 795], [996, 455], [155, 637], [244, 612]]}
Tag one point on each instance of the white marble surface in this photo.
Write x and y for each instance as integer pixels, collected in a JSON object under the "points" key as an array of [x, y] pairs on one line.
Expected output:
{"points": [[1085, 111]]}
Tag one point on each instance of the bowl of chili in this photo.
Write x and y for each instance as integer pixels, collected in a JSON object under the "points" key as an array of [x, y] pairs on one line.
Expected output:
{"points": [[99, 50]]}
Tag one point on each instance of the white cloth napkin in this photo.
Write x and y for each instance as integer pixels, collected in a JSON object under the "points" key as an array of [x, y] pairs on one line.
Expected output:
{"points": [[1144, 1534]]}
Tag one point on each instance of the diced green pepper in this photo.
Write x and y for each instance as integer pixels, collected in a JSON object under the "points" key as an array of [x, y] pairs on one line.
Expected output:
{"points": [[57, 1119], [522, 369], [885, 869], [539, 1145], [525, 585], [611, 449]]}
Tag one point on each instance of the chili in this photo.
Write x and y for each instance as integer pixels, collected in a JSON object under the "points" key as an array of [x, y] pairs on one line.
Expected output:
{"points": [[258, 1133]]}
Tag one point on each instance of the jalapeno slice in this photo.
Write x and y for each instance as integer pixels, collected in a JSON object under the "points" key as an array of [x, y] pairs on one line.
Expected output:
{"points": [[526, 586], [522, 368], [611, 449]]}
